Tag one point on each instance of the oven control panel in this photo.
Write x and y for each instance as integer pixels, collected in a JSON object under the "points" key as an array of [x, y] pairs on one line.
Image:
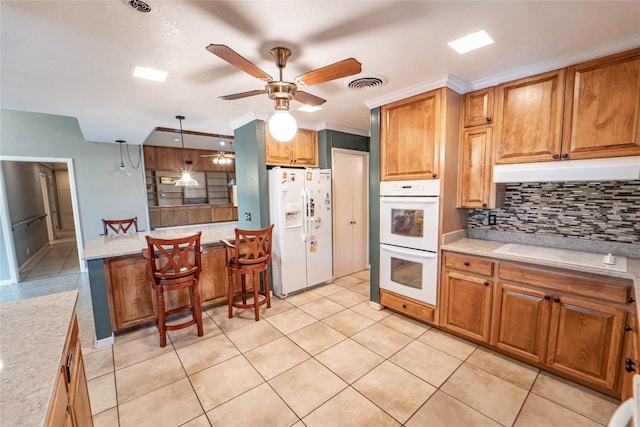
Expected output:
{"points": [[427, 187]]}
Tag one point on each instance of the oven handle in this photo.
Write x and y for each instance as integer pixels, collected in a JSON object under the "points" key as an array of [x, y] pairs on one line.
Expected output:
{"points": [[427, 199], [419, 254]]}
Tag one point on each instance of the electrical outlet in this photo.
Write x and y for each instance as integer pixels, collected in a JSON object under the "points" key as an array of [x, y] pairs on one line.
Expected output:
{"points": [[247, 216], [492, 219], [28, 251]]}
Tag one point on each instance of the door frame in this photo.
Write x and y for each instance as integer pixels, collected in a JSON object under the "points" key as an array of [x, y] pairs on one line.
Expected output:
{"points": [[365, 156], [14, 273]]}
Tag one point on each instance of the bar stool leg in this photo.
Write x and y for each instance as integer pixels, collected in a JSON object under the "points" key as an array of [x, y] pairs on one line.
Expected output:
{"points": [[231, 290], [162, 316], [256, 295], [267, 288], [196, 306]]}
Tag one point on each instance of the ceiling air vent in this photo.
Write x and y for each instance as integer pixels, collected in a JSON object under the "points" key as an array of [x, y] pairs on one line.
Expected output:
{"points": [[366, 83], [138, 5]]}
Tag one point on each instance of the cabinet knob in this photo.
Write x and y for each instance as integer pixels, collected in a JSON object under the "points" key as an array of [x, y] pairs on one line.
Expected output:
{"points": [[488, 119], [565, 156], [466, 263], [487, 283], [629, 365], [628, 328], [404, 306], [433, 175], [484, 205], [631, 300], [556, 299], [555, 157], [547, 297]]}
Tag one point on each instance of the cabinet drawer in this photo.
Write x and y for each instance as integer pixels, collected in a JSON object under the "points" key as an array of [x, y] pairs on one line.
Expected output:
{"points": [[469, 264], [585, 285], [408, 306]]}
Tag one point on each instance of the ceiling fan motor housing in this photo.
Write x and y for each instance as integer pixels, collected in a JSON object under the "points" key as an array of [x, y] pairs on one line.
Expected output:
{"points": [[281, 92]]}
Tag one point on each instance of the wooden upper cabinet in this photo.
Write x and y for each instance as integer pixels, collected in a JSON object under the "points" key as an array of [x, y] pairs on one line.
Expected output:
{"points": [[478, 107], [302, 150], [602, 107], [475, 187], [409, 137], [529, 118]]}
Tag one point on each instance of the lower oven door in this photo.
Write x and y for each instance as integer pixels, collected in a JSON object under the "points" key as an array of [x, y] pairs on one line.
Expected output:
{"points": [[409, 272]]}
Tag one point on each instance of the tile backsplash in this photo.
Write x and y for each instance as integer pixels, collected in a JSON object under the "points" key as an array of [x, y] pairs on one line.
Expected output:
{"points": [[602, 211]]}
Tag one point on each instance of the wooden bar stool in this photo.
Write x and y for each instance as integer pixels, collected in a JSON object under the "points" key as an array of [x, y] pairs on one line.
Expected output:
{"points": [[175, 264], [250, 254], [118, 226]]}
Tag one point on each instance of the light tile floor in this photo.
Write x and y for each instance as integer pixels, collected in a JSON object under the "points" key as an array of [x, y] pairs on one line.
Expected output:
{"points": [[320, 358]]}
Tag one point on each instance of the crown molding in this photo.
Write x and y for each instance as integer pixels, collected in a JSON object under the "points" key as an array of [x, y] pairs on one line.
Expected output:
{"points": [[449, 81], [344, 129], [248, 118], [556, 63]]}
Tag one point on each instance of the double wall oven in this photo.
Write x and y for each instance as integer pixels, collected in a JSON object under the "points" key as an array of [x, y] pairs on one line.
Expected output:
{"points": [[409, 221]]}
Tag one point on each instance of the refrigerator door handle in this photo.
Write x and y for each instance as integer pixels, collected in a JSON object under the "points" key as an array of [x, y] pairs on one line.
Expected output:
{"points": [[303, 229]]}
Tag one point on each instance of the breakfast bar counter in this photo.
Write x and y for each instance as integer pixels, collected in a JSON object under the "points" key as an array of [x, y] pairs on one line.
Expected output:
{"points": [[121, 295]]}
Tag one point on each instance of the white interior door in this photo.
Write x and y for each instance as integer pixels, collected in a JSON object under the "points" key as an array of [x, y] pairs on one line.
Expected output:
{"points": [[64, 199], [350, 205], [44, 187]]}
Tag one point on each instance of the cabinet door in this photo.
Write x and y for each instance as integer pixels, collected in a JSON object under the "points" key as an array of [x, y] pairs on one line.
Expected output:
{"points": [[409, 138], [478, 107], [475, 184], [585, 340], [81, 406], [629, 352], [131, 294], [277, 153], [521, 321], [305, 148], [529, 118], [467, 305], [59, 403], [602, 108], [213, 278]]}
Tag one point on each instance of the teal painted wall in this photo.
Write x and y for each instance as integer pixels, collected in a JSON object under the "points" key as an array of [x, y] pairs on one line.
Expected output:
{"points": [[328, 139], [251, 175], [374, 205]]}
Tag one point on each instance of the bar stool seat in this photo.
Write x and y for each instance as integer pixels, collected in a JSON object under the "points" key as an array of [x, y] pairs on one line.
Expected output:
{"points": [[250, 254], [175, 264]]}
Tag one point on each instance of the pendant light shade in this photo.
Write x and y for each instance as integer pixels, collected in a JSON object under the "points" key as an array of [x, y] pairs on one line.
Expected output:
{"points": [[185, 180], [282, 126]]}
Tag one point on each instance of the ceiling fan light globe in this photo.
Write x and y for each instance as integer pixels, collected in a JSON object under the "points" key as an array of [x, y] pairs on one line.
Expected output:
{"points": [[282, 126]]}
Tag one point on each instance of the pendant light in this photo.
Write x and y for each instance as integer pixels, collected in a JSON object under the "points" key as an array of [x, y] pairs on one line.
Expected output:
{"points": [[185, 180], [122, 169]]}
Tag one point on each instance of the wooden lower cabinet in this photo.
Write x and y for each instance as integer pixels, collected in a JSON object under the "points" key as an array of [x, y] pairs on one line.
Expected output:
{"points": [[585, 340], [521, 321], [467, 305], [630, 357], [71, 406], [408, 306], [131, 297], [571, 323]]}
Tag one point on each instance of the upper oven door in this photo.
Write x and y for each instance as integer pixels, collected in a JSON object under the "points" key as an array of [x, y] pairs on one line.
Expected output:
{"points": [[411, 222]]}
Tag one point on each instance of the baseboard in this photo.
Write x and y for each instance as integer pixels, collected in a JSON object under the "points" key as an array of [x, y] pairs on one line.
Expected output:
{"points": [[6, 282], [104, 342], [375, 305]]}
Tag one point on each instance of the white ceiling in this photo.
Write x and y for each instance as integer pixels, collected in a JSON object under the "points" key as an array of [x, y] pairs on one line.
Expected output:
{"points": [[75, 58]]}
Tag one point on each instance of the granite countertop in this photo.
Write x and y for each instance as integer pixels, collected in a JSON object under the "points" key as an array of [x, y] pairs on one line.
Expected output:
{"points": [[34, 332], [132, 243], [550, 257]]}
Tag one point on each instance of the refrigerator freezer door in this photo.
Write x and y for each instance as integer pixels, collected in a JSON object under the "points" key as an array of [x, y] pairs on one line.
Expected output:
{"points": [[319, 245], [288, 268]]}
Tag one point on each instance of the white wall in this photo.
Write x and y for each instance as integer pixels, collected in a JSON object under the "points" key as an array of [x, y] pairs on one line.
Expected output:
{"points": [[101, 193]]}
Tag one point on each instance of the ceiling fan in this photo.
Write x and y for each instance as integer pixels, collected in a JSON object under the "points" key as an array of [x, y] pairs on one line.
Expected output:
{"points": [[221, 157], [281, 91]]}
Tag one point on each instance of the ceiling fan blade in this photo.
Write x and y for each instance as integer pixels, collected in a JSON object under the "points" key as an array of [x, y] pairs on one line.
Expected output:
{"points": [[238, 61], [308, 99], [243, 95], [347, 67]]}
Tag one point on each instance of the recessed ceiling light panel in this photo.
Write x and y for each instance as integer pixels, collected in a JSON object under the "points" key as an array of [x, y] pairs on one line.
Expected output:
{"points": [[310, 108], [471, 42], [150, 74]]}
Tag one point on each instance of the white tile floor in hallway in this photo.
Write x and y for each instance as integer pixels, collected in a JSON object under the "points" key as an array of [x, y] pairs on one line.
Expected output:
{"points": [[319, 358]]}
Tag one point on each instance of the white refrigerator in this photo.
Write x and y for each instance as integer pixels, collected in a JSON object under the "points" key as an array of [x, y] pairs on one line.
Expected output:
{"points": [[300, 209]]}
